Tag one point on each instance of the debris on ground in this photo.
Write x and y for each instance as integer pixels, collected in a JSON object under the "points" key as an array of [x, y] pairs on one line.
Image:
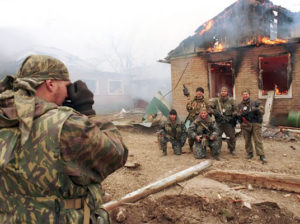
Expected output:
{"points": [[281, 133], [194, 209], [132, 164], [274, 181], [211, 194]]}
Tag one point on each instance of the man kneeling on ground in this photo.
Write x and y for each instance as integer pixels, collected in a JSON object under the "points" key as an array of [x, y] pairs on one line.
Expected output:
{"points": [[174, 131], [205, 133]]}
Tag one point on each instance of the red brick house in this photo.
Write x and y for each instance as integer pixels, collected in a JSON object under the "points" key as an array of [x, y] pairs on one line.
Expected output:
{"points": [[251, 44]]}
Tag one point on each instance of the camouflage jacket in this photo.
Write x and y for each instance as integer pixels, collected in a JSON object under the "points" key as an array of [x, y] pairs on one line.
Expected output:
{"points": [[172, 130], [223, 108], [250, 111], [66, 156], [194, 107], [202, 127]]}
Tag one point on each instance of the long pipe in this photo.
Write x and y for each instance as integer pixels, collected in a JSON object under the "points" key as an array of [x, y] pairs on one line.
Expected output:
{"points": [[158, 185]]}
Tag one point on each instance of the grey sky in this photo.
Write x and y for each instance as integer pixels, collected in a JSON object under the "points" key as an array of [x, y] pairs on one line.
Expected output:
{"points": [[90, 29]]}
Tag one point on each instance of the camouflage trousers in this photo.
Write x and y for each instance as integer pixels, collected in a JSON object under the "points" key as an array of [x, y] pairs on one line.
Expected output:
{"points": [[176, 145], [191, 143], [230, 133], [200, 148], [253, 131]]}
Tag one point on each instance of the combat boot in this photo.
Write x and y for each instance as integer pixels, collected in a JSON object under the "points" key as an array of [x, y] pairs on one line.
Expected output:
{"points": [[250, 155], [164, 151], [217, 157], [263, 159], [233, 152], [202, 156]]}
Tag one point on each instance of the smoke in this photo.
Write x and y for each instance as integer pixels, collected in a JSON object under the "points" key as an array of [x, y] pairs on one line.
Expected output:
{"points": [[12, 43], [241, 24], [131, 81]]}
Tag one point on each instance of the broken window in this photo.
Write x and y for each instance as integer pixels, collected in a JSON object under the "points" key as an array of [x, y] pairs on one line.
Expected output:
{"points": [[220, 74], [274, 74], [115, 87]]}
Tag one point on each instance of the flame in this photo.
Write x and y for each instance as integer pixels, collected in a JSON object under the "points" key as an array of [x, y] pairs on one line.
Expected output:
{"points": [[266, 40], [207, 26], [277, 92], [250, 42], [219, 47]]}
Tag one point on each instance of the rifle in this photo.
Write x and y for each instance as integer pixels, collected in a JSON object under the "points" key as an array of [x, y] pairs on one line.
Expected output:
{"points": [[243, 115], [221, 118], [205, 137]]}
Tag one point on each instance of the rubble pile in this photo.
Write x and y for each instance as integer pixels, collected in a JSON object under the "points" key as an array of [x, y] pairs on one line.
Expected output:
{"points": [[278, 133]]}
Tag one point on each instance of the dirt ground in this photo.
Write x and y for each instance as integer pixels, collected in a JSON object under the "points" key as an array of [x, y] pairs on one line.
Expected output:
{"points": [[199, 199]]}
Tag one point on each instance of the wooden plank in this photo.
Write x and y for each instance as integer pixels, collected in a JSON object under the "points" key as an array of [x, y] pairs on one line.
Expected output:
{"points": [[268, 107], [274, 181], [158, 185]]}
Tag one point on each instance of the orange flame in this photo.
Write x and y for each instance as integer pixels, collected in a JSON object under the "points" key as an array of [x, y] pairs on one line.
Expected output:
{"points": [[219, 47], [207, 26], [277, 91], [250, 42], [266, 40]]}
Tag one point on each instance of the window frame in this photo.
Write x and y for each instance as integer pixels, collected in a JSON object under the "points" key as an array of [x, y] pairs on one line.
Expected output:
{"points": [[290, 90], [121, 88]]}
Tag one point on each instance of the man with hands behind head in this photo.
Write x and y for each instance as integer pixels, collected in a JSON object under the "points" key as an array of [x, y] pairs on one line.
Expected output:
{"points": [[54, 158]]}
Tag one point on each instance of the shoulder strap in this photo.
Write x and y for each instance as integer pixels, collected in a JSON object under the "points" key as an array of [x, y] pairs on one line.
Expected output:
{"points": [[220, 107], [203, 125]]}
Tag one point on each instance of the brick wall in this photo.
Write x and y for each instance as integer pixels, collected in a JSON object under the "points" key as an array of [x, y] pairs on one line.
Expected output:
{"points": [[196, 75]]}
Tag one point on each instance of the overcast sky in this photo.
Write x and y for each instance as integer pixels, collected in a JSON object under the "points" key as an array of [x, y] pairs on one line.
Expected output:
{"points": [[92, 29]]}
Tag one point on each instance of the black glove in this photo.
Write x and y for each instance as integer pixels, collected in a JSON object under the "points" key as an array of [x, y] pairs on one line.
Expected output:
{"points": [[185, 91], [80, 98]]}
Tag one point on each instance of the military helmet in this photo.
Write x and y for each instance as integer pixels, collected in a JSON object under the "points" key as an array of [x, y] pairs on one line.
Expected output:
{"points": [[43, 67]]}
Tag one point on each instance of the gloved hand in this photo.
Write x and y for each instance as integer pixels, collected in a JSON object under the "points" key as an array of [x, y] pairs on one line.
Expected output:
{"points": [[81, 98], [255, 109]]}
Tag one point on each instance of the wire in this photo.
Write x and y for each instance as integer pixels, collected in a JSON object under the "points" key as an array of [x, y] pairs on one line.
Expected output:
{"points": [[178, 79]]}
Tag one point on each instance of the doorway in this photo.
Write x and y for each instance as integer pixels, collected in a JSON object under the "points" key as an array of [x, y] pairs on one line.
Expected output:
{"points": [[220, 74]]}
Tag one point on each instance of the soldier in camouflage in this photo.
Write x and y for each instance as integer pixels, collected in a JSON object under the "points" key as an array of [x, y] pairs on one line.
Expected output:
{"points": [[193, 107], [174, 131], [225, 112], [250, 115], [53, 158], [205, 133]]}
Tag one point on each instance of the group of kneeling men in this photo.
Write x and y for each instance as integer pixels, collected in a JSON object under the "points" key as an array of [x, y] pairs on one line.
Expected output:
{"points": [[209, 119]]}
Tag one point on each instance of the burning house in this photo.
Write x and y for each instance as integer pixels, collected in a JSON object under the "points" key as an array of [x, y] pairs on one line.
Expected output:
{"points": [[251, 44]]}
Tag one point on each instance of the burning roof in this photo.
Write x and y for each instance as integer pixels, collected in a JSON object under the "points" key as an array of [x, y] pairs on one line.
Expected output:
{"points": [[244, 23]]}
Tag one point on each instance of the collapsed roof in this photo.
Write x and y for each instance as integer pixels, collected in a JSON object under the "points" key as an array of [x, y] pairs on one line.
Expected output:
{"points": [[244, 23]]}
